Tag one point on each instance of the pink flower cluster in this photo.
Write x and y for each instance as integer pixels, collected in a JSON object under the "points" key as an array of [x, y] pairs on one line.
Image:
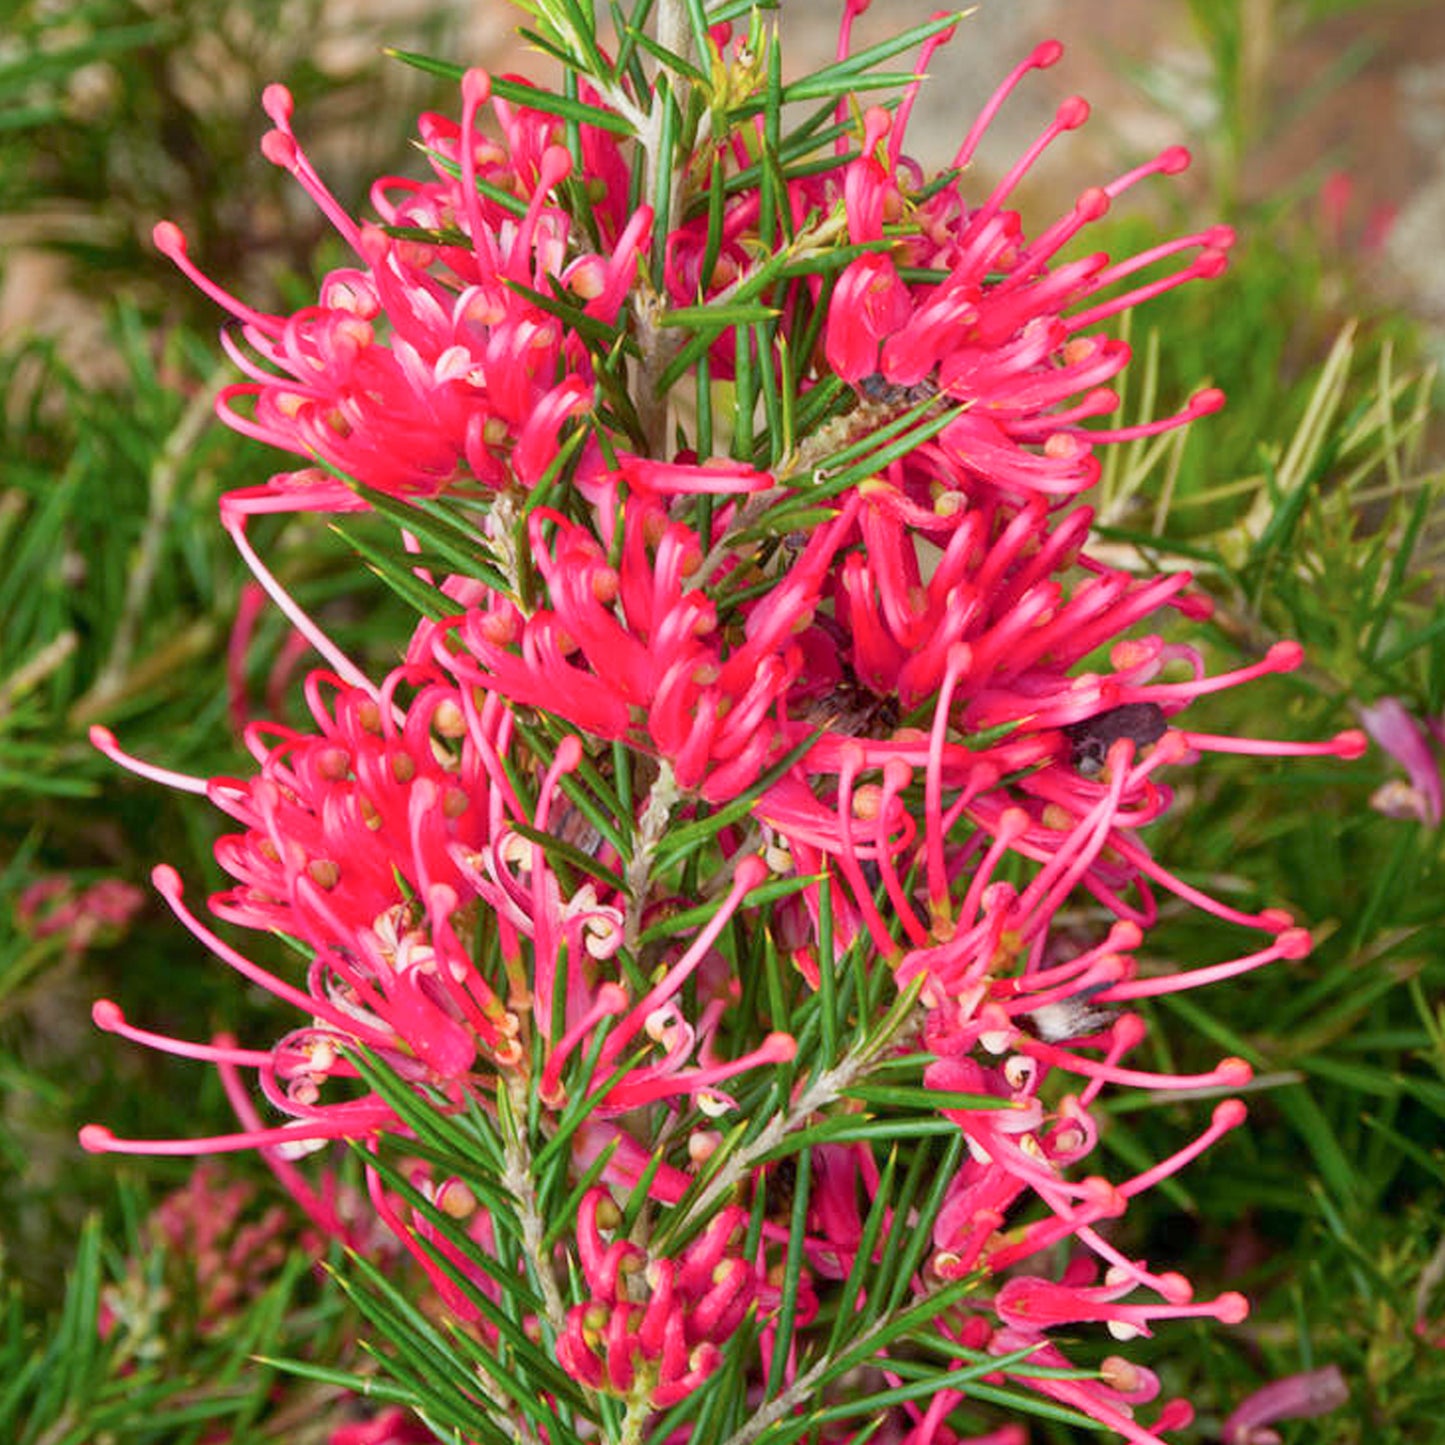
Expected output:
{"points": [[1416, 744], [941, 725], [222, 1246], [427, 363], [692, 1305], [55, 907]]}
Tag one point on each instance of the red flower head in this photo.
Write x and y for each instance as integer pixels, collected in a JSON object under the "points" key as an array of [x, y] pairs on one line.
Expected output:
{"points": [[427, 364], [883, 602]]}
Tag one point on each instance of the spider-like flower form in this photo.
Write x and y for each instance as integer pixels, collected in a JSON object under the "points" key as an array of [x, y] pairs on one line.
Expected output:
{"points": [[908, 729]]}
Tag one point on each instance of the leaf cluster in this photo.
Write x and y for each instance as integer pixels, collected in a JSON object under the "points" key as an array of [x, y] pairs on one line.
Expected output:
{"points": [[117, 1358]]}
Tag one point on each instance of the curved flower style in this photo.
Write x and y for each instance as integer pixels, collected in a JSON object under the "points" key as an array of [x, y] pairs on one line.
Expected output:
{"points": [[1421, 794], [1304, 1396], [430, 364], [999, 337], [989, 639]]}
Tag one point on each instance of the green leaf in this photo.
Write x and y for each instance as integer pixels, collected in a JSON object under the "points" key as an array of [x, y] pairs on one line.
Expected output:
{"points": [[675, 924], [525, 96], [424, 598], [715, 317], [558, 851], [922, 1100]]}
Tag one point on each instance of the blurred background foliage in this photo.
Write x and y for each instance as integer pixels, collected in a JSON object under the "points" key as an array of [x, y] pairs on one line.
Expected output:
{"points": [[1307, 510]]}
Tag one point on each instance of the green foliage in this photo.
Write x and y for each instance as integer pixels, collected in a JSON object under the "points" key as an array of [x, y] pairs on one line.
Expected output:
{"points": [[120, 112], [125, 1357]]}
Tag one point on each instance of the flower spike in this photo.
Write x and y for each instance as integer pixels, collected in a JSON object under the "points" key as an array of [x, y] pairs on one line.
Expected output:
{"points": [[718, 930]]}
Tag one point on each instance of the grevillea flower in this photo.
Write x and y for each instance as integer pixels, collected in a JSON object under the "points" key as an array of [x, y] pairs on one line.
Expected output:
{"points": [[1304, 1396], [908, 729], [658, 1323], [634, 648], [55, 907], [427, 364], [222, 1247], [218, 1248], [992, 641], [376, 843], [1391, 724]]}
